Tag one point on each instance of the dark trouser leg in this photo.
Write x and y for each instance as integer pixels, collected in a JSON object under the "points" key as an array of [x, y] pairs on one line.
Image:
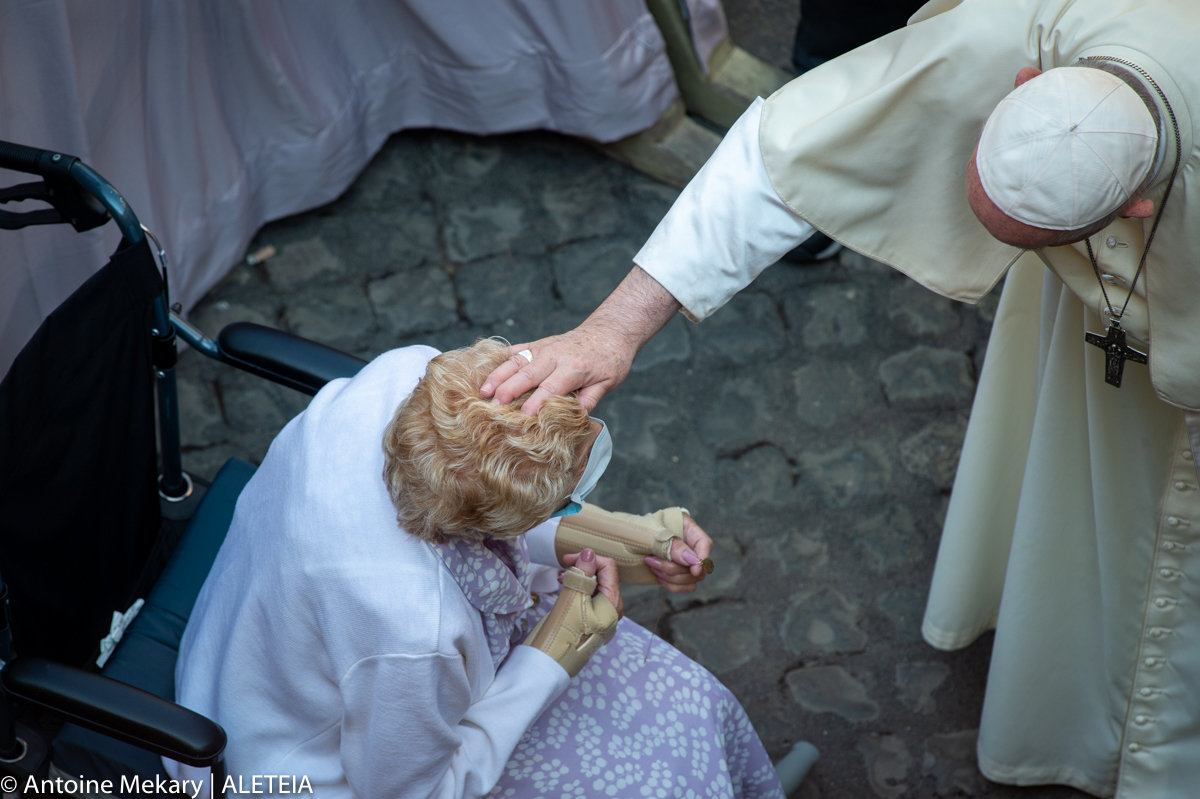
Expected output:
{"points": [[829, 28]]}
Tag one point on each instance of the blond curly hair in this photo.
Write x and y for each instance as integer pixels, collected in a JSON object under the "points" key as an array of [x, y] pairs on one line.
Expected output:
{"points": [[458, 466]]}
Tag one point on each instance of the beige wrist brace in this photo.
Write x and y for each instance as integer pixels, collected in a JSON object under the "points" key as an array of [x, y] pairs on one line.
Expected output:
{"points": [[625, 538], [581, 621]]}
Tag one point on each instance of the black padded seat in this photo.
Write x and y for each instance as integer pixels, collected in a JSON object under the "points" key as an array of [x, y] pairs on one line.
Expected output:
{"points": [[147, 653]]}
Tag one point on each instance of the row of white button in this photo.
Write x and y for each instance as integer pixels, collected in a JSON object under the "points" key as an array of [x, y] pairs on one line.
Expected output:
{"points": [[1163, 602]]}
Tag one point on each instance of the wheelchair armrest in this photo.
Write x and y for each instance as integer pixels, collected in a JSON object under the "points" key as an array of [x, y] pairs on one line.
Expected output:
{"points": [[115, 709], [286, 359]]}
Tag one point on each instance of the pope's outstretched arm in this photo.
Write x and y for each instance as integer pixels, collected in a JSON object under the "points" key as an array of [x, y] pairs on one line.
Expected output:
{"points": [[727, 226]]}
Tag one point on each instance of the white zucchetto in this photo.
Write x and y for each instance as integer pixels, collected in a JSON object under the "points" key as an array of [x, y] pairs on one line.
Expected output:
{"points": [[1066, 148]]}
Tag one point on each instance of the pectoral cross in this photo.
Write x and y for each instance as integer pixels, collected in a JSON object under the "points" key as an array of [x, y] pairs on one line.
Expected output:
{"points": [[1115, 352]]}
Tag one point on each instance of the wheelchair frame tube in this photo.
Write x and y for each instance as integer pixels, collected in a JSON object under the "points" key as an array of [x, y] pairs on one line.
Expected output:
{"points": [[99, 188], [195, 337], [173, 484]]}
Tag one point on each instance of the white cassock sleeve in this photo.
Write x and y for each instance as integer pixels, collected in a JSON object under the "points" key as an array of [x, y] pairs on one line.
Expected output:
{"points": [[727, 226], [410, 728]]}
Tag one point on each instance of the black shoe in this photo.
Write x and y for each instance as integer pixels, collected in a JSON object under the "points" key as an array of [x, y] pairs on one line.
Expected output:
{"points": [[817, 247]]}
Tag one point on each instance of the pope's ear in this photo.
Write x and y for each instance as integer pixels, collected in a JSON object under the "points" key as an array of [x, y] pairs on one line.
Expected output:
{"points": [[1139, 208], [1025, 75]]}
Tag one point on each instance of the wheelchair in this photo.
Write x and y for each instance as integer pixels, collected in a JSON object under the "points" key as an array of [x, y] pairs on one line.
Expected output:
{"points": [[95, 509]]}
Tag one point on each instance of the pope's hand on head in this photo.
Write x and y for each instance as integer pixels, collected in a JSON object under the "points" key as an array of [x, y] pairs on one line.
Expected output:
{"points": [[586, 359], [683, 572], [593, 358], [605, 571]]}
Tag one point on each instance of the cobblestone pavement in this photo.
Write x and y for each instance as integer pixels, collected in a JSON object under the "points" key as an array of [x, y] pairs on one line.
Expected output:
{"points": [[813, 427]]}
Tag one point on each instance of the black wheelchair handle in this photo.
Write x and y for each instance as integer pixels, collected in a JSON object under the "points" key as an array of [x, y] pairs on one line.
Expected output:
{"points": [[56, 166], [31, 160]]}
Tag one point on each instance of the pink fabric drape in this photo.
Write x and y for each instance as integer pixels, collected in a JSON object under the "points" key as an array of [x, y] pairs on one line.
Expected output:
{"points": [[215, 118]]}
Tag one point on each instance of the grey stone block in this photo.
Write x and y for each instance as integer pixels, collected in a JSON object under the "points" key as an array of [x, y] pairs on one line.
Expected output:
{"points": [[671, 344], [473, 233], [888, 762], [828, 316], [414, 302], [950, 760], [761, 477], [933, 453], [257, 406], [525, 323], [917, 682], [241, 278], [378, 242], [302, 263], [411, 239], [338, 316], [581, 211], [650, 199], [586, 272], [792, 555], [921, 312], [464, 160], [200, 421], [904, 607], [502, 288], [748, 330], [634, 485], [926, 376], [827, 392], [394, 176], [848, 474], [634, 423], [831, 689], [822, 622], [741, 412], [889, 540], [720, 637]]}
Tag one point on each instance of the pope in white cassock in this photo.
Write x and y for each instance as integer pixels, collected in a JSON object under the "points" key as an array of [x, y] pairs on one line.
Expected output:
{"points": [[1074, 525]]}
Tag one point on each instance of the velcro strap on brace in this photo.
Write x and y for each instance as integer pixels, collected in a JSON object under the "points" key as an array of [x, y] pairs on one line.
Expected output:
{"points": [[672, 518], [578, 624], [576, 580], [661, 545]]}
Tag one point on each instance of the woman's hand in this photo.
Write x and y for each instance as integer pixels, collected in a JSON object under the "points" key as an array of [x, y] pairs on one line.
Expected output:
{"points": [[585, 615], [605, 571], [683, 571]]}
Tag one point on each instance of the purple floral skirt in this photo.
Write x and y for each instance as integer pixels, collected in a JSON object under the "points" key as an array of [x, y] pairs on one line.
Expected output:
{"points": [[640, 720]]}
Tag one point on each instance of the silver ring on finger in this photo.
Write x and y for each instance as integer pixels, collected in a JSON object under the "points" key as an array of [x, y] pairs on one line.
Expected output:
{"points": [[527, 355]]}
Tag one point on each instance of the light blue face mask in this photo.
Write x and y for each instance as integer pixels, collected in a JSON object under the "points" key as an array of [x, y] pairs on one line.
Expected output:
{"points": [[597, 462]]}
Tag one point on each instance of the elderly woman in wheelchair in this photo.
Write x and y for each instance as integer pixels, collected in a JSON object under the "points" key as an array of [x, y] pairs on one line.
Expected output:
{"points": [[413, 600]]}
